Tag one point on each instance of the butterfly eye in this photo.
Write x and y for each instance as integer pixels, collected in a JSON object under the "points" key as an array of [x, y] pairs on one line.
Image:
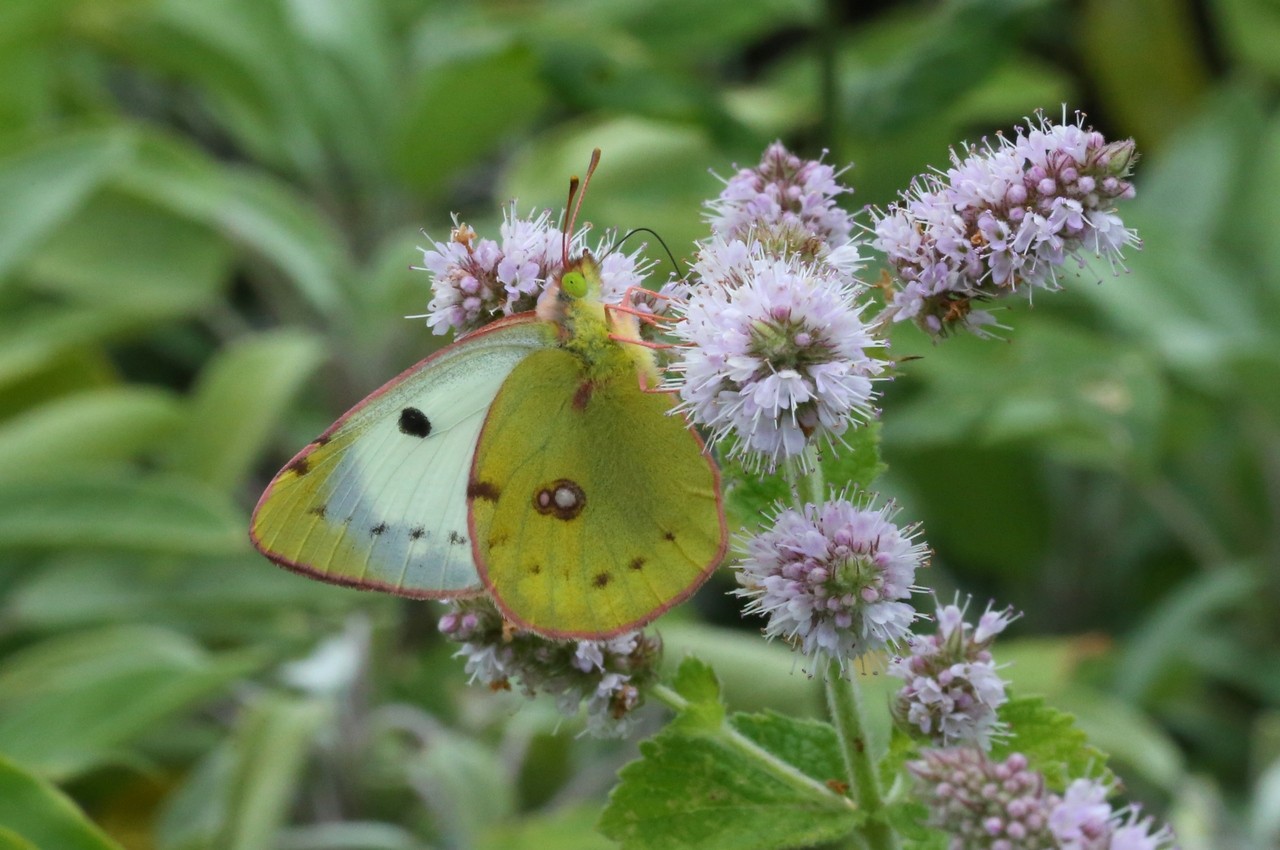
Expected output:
{"points": [[574, 284]]}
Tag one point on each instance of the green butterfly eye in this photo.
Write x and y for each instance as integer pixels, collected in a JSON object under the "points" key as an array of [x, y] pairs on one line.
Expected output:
{"points": [[574, 284]]}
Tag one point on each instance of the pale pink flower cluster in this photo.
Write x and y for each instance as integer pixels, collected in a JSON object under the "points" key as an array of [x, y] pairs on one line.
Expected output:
{"points": [[1005, 217], [831, 578], [607, 676]]}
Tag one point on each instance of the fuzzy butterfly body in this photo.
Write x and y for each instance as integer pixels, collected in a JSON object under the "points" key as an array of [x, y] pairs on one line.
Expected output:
{"points": [[526, 459]]}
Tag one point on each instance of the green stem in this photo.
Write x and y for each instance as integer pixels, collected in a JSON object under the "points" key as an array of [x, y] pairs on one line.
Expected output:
{"points": [[845, 704], [787, 772]]}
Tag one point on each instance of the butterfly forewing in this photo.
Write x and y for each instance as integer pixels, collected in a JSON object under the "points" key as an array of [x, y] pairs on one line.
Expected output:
{"points": [[592, 509], [379, 500]]}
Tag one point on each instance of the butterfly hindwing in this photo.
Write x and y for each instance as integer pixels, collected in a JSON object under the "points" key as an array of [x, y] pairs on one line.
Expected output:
{"points": [[379, 500], [592, 509]]}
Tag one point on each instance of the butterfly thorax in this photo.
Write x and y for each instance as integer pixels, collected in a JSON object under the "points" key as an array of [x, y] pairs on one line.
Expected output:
{"points": [[600, 337]]}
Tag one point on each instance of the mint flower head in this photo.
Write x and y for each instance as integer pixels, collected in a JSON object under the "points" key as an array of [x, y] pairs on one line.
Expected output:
{"points": [[1004, 805], [831, 578], [951, 689], [607, 676], [983, 804], [776, 353], [787, 204], [1005, 217], [475, 281]]}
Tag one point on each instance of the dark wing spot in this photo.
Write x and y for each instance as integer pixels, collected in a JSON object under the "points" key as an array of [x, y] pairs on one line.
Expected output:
{"points": [[417, 533], [562, 499], [414, 422], [318, 510], [669, 535], [378, 529], [583, 395], [498, 539], [535, 569], [486, 490], [636, 563], [601, 580], [320, 441], [456, 539], [299, 465]]}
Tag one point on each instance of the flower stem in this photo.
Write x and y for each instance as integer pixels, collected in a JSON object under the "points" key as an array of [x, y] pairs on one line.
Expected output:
{"points": [[844, 701]]}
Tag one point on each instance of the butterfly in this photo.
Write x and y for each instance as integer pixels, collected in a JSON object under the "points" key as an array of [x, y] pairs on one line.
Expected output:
{"points": [[529, 459]]}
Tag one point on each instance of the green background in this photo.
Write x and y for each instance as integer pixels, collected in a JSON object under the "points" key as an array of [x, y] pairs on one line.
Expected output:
{"points": [[208, 210]]}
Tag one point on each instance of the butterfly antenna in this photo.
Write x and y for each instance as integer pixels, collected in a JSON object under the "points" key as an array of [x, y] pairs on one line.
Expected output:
{"points": [[632, 232], [573, 185], [566, 227]]}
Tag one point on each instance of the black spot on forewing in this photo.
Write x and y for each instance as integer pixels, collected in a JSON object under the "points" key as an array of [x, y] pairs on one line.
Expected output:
{"points": [[535, 569], [299, 466], [320, 441], [414, 422], [637, 563], [318, 510], [417, 533], [486, 490], [378, 529], [457, 539], [601, 580], [669, 536]]}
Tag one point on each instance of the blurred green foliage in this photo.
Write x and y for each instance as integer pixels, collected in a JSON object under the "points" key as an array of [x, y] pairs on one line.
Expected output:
{"points": [[207, 213]]}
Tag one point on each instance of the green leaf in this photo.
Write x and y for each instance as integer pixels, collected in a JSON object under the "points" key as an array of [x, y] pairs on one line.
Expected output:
{"points": [[270, 751], [810, 745], [1050, 741], [262, 214], [696, 682], [702, 791], [908, 818], [35, 337], [1147, 62], [223, 600], [70, 703], [34, 814], [961, 47], [445, 126], [41, 186], [94, 257], [113, 510], [237, 402], [13, 841], [564, 829], [703, 782], [466, 785], [110, 424]]}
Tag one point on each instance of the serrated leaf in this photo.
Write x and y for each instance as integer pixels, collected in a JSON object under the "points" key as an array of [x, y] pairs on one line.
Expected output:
{"points": [[1051, 742], [33, 813], [697, 683], [238, 400], [702, 792], [810, 745]]}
